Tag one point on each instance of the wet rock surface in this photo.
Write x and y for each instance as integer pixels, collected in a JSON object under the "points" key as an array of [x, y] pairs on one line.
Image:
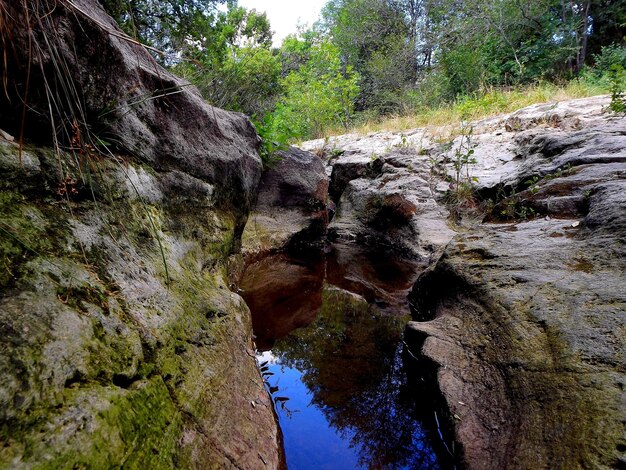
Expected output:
{"points": [[524, 312]]}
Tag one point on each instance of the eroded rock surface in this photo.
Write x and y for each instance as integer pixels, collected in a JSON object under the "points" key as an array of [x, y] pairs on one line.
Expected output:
{"points": [[527, 318], [386, 193], [291, 206], [121, 343], [112, 85], [525, 312]]}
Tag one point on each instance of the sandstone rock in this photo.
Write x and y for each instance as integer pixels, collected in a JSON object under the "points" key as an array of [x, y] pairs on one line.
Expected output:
{"points": [[525, 312], [121, 344], [390, 203], [125, 98], [291, 205], [121, 341], [352, 167], [527, 324], [526, 319]]}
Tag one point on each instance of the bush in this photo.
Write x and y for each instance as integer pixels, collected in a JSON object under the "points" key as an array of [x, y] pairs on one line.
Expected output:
{"points": [[610, 72], [320, 94], [617, 81], [609, 56]]}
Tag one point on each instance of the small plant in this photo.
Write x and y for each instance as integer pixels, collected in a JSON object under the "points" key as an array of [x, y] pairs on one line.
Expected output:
{"points": [[272, 141], [532, 184], [509, 208], [336, 153], [461, 194], [404, 142], [462, 160], [525, 212]]}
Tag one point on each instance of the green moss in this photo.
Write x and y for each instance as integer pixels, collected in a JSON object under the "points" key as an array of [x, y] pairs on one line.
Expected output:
{"points": [[196, 326], [120, 399], [136, 428], [24, 233], [148, 424]]}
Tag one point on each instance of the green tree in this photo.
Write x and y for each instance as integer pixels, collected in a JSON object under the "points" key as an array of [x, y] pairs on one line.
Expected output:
{"points": [[165, 24], [248, 80], [375, 38], [231, 62], [319, 94]]}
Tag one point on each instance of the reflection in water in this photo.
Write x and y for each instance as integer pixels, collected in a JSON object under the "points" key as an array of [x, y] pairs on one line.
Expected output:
{"points": [[283, 294], [335, 327]]}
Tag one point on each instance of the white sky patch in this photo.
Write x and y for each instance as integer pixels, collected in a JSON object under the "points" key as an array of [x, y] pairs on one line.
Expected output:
{"points": [[266, 356], [285, 15]]}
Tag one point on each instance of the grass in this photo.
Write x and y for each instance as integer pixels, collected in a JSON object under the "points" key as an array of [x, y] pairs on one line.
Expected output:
{"points": [[490, 103], [76, 147]]}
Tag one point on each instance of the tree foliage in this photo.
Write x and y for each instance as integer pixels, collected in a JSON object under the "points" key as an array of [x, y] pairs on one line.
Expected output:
{"points": [[375, 57], [321, 92]]}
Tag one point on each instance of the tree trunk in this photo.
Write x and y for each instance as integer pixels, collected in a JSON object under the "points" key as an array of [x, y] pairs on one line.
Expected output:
{"points": [[582, 54]]}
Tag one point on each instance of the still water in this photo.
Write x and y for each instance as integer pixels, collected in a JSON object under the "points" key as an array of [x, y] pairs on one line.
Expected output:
{"points": [[328, 330]]}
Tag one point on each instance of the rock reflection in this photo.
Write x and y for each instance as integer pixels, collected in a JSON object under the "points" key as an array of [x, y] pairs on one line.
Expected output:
{"points": [[380, 279], [284, 293]]}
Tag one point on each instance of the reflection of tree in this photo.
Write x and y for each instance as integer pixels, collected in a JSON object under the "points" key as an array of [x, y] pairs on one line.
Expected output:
{"points": [[351, 363]]}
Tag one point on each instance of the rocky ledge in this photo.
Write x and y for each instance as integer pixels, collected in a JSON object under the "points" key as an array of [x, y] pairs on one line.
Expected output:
{"points": [[121, 343], [523, 306]]}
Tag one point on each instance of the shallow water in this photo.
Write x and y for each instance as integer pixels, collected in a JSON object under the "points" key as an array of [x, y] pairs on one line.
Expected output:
{"points": [[329, 330]]}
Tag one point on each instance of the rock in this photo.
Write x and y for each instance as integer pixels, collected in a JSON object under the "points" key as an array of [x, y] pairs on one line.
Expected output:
{"points": [[121, 344], [291, 205], [390, 202], [126, 98], [352, 167], [526, 318], [543, 144], [525, 311], [526, 322], [120, 339]]}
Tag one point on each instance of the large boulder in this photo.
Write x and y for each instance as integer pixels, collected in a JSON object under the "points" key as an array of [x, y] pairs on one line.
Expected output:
{"points": [[291, 207], [92, 84], [121, 343]]}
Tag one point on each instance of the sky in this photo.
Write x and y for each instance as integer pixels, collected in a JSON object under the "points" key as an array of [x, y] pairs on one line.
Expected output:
{"points": [[284, 15]]}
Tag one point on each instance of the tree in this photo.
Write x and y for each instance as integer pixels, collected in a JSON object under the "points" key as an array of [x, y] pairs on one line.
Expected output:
{"points": [[165, 24], [319, 94], [248, 80], [374, 37]]}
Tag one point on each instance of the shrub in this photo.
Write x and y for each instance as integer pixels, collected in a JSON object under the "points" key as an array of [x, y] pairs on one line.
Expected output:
{"points": [[318, 95]]}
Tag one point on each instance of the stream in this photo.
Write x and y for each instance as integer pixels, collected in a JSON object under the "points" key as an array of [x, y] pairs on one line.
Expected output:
{"points": [[328, 329]]}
